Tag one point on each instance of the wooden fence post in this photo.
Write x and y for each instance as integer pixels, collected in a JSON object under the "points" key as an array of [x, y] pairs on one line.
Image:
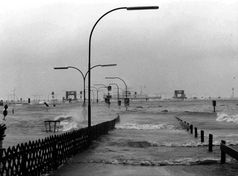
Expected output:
{"points": [[202, 136], [191, 129], [182, 122], [54, 152], [2, 133], [223, 154], [195, 132], [187, 126], [210, 142], [24, 159]]}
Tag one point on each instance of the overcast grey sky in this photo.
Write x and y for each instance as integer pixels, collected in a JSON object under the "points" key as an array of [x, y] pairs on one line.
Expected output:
{"points": [[186, 44]]}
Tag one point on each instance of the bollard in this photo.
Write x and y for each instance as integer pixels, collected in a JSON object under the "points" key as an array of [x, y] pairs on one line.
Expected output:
{"points": [[184, 124], [187, 126], [210, 139], [191, 129], [223, 154], [214, 105], [195, 132], [202, 136]]}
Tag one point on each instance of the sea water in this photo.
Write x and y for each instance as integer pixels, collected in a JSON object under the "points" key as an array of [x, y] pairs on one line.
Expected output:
{"points": [[148, 131]]}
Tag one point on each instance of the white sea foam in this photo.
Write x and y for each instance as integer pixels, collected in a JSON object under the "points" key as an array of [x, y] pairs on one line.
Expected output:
{"points": [[221, 116], [184, 144], [67, 125], [69, 121], [144, 126], [180, 161]]}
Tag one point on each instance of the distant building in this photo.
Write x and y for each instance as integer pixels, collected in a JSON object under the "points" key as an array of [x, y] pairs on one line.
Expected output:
{"points": [[71, 95], [179, 94]]}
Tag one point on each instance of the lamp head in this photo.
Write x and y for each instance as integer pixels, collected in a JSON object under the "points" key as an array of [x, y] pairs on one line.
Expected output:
{"points": [[60, 68], [143, 8], [110, 77], [108, 65]]}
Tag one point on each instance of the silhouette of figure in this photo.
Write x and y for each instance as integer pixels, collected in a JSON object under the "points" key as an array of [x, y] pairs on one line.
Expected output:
{"points": [[5, 111]]}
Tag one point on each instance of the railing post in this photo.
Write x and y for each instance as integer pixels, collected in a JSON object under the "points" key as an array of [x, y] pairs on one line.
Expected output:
{"points": [[223, 154], [55, 152], [210, 142], [187, 126], [191, 129], [195, 132], [2, 133], [24, 159], [202, 136], [1, 160]]}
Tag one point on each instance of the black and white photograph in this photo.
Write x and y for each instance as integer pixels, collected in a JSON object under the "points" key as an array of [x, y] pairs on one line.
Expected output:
{"points": [[119, 88]]}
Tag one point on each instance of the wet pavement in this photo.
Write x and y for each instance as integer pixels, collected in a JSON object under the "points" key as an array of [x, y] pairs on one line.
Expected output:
{"points": [[147, 144]]}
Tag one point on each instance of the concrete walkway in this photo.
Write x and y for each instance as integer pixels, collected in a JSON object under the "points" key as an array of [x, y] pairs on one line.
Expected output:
{"points": [[80, 169]]}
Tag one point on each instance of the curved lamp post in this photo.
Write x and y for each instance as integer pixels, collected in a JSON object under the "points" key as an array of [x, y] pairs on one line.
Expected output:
{"points": [[85, 75], [103, 86], [97, 89], [119, 79], [118, 98], [89, 50]]}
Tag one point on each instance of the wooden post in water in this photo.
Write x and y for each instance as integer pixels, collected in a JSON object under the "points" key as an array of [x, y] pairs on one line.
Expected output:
{"points": [[210, 139], [195, 132], [184, 124], [187, 126], [202, 136], [223, 154], [214, 105], [191, 129]]}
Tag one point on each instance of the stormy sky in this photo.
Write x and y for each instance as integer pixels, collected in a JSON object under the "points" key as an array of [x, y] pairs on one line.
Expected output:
{"points": [[186, 44]]}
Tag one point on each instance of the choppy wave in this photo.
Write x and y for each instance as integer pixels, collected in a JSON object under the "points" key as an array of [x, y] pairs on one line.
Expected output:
{"points": [[221, 116], [145, 144], [145, 126], [181, 161], [67, 123], [166, 144]]}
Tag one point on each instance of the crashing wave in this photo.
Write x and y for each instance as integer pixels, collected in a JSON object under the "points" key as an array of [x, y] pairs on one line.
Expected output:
{"points": [[67, 123], [221, 116]]}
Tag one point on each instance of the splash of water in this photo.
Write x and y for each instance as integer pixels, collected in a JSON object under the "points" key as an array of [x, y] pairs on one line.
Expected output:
{"points": [[70, 121], [221, 116]]}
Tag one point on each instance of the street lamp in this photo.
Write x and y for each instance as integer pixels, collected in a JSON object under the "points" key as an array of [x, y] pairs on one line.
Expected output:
{"points": [[85, 75], [119, 79], [103, 86], [126, 100], [118, 98], [97, 89], [89, 50]]}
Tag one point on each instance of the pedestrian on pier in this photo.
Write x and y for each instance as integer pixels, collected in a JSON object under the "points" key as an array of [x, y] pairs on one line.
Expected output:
{"points": [[5, 112]]}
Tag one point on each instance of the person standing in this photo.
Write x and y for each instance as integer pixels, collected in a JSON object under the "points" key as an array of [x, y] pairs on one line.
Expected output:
{"points": [[5, 112]]}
